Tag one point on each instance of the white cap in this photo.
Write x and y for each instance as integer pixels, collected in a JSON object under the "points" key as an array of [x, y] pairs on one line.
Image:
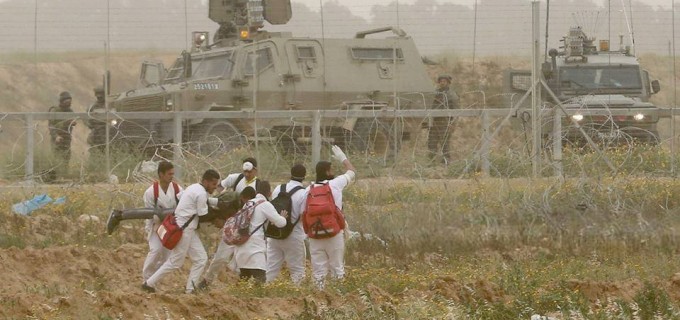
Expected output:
{"points": [[247, 166]]}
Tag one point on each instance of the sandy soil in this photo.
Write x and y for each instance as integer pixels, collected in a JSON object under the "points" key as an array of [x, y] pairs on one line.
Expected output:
{"points": [[80, 282]]}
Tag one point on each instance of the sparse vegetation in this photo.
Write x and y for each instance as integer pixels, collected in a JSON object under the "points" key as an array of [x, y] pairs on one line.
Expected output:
{"points": [[502, 248], [594, 244]]}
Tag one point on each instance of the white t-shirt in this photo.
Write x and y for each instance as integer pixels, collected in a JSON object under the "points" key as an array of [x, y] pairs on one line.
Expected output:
{"points": [[194, 201], [166, 200], [252, 254], [229, 181], [299, 200]]}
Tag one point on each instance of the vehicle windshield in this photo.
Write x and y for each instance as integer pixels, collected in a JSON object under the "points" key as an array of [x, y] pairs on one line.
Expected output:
{"points": [[175, 71], [604, 77], [214, 66]]}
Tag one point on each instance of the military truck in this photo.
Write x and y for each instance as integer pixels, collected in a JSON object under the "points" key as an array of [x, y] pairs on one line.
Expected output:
{"points": [[584, 78], [247, 68]]}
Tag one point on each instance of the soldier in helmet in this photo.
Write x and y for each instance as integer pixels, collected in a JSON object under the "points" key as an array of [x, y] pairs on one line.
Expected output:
{"points": [[97, 137], [60, 133], [442, 127]]}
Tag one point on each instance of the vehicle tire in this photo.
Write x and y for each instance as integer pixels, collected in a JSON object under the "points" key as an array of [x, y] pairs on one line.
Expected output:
{"points": [[133, 138], [375, 137], [216, 138], [286, 140], [643, 136]]}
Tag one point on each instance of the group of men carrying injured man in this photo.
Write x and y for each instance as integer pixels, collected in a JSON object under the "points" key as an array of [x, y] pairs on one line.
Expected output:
{"points": [[260, 258]]}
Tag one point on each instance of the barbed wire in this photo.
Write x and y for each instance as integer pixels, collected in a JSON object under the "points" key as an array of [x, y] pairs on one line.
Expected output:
{"points": [[512, 148]]}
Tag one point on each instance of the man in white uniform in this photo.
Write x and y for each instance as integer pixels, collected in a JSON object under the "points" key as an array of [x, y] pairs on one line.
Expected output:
{"points": [[329, 253], [251, 256], [162, 194], [239, 181], [193, 203], [236, 182], [291, 249]]}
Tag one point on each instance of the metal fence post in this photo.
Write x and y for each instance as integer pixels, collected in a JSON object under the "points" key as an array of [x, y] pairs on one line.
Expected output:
{"points": [[536, 93], [29, 146], [485, 143], [557, 142], [316, 137], [177, 145]]}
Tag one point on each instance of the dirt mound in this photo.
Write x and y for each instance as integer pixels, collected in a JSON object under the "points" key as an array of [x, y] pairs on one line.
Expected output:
{"points": [[600, 290], [81, 282], [452, 289]]}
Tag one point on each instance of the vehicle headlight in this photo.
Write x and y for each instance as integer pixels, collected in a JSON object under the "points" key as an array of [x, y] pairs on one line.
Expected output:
{"points": [[639, 117], [577, 117], [169, 104], [114, 122]]}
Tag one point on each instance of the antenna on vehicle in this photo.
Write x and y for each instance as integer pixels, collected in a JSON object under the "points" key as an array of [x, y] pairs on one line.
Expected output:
{"points": [[323, 52], [547, 23], [629, 24], [587, 20]]}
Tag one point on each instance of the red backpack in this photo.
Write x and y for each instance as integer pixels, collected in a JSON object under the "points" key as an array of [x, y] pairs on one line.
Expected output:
{"points": [[322, 218], [156, 187]]}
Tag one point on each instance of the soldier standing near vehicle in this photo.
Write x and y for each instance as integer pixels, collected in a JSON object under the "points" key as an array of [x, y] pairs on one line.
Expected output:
{"points": [[442, 127], [97, 137], [60, 134]]}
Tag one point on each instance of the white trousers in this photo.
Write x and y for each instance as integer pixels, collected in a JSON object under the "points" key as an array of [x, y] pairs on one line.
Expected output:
{"points": [[156, 256], [327, 254], [292, 251], [222, 257], [190, 245]]}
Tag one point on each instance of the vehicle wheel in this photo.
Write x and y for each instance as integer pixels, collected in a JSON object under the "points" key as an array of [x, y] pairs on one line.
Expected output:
{"points": [[132, 138], [215, 138], [286, 140], [643, 136], [375, 137]]}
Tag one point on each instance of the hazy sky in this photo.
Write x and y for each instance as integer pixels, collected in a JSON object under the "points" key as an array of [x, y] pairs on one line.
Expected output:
{"points": [[501, 27], [362, 7]]}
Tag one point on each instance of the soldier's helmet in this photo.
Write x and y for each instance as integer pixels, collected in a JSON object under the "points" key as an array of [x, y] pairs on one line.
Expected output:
{"points": [[99, 91], [64, 95], [444, 76]]}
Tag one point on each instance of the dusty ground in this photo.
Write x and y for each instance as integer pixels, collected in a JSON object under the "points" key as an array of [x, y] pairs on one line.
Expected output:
{"points": [[80, 282], [77, 282], [99, 278]]}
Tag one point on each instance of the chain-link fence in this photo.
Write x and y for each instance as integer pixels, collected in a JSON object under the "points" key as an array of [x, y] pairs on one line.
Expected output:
{"points": [[397, 143]]}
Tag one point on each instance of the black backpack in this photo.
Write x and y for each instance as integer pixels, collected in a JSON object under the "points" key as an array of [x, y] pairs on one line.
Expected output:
{"points": [[283, 202], [240, 177]]}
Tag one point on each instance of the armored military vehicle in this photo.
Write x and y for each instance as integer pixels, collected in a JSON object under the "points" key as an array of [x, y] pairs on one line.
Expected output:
{"points": [[247, 68], [585, 78]]}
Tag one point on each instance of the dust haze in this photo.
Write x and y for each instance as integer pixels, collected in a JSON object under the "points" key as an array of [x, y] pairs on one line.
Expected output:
{"points": [[498, 27]]}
